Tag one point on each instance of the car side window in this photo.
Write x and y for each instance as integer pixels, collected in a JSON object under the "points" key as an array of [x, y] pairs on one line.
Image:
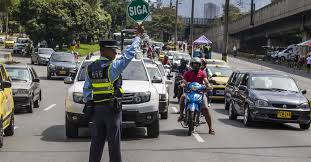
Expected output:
{"points": [[232, 78], [239, 79], [32, 75], [34, 72], [245, 80]]}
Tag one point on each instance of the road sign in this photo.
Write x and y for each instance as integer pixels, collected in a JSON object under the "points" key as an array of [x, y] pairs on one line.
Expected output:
{"points": [[138, 10]]}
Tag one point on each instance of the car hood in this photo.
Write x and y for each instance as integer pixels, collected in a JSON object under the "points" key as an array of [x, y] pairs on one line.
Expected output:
{"points": [[160, 87], [44, 55], [21, 84], [65, 64], [132, 86], [221, 80], [284, 97]]}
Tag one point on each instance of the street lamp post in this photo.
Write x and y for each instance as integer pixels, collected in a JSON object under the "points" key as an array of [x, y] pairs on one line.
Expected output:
{"points": [[176, 22], [225, 37], [191, 22]]}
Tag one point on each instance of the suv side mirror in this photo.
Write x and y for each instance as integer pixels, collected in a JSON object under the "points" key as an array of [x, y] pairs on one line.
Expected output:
{"points": [[68, 80], [304, 92], [156, 79], [6, 84], [36, 80], [242, 88]]}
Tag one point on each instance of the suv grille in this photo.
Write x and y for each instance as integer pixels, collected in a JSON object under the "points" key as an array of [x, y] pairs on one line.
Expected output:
{"points": [[127, 98]]}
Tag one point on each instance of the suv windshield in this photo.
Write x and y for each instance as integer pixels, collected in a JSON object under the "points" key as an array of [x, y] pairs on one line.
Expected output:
{"points": [[281, 83], [22, 41], [134, 71], [154, 73], [63, 57], [19, 74], [219, 71], [48, 51]]}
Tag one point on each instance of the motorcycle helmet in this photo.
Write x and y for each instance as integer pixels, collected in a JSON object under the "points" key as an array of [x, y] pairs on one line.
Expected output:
{"points": [[197, 61]]}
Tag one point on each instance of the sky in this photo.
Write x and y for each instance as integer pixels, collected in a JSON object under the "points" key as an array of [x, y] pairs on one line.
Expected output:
{"points": [[185, 6]]}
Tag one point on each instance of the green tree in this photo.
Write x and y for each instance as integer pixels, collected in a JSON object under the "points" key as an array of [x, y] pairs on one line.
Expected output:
{"points": [[234, 13], [5, 7]]}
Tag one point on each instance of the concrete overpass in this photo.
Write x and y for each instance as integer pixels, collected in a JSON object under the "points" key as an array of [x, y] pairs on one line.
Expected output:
{"points": [[278, 24]]}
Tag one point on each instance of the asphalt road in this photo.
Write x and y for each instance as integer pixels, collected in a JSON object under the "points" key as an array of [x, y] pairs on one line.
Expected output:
{"points": [[40, 136]]}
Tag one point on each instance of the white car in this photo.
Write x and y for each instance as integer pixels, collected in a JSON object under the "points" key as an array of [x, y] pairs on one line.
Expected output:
{"points": [[140, 100], [162, 87]]}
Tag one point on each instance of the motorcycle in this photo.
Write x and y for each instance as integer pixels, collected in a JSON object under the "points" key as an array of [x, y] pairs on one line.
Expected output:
{"points": [[194, 93]]}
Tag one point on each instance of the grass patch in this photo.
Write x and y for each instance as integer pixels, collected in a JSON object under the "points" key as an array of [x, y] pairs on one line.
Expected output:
{"points": [[83, 50]]}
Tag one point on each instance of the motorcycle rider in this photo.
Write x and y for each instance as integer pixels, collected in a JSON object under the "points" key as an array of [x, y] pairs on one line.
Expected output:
{"points": [[199, 76], [181, 70]]}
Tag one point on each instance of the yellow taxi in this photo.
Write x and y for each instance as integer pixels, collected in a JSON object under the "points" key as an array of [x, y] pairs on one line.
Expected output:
{"points": [[218, 77], [161, 55], [6, 105], [10, 42]]}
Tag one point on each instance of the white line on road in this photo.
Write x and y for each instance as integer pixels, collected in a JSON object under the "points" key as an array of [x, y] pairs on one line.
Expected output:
{"points": [[15, 127], [175, 109], [48, 108], [198, 137]]}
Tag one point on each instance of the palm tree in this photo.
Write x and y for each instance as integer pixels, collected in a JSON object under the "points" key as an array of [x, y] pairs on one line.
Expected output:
{"points": [[5, 6]]}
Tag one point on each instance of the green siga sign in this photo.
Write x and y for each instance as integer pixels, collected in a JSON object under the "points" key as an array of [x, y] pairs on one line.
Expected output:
{"points": [[138, 10]]}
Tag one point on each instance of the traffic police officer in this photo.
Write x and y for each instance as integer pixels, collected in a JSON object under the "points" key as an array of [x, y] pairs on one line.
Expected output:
{"points": [[102, 94]]}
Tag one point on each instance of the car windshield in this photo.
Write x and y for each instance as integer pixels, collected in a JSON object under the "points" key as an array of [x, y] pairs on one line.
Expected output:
{"points": [[47, 51], [22, 40], [219, 71], [161, 68], [280, 83], [134, 71], [19, 74], [63, 57], [181, 56], [11, 39], [154, 72]]}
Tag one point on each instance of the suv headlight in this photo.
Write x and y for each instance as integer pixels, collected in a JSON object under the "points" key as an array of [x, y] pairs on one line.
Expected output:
{"points": [[141, 97], [304, 106], [77, 97], [261, 103], [162, 97], [51, 66]]}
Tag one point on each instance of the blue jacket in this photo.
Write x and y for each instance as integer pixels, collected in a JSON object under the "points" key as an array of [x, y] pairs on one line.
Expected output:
{"points": [[117, 67]]}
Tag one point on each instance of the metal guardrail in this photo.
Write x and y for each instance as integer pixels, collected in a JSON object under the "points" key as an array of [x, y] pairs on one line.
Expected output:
{"points": [[197, 21]]}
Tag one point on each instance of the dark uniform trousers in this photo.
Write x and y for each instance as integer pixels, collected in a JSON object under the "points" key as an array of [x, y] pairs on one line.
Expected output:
{"points": [[106, 126]]}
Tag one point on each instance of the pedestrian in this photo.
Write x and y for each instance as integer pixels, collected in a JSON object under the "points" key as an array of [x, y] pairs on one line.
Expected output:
{"points": [[309, 63], [102, 93]]}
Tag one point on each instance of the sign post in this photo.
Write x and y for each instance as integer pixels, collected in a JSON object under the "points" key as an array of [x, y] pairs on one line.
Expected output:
{"points": [[138, 10]]}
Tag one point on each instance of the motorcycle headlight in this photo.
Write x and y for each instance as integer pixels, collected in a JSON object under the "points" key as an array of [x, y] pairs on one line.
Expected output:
{"points": [[142, 97], [194, 88], [304, 106], [77, 97], [261, 103], [22, 91], [162, 97]]}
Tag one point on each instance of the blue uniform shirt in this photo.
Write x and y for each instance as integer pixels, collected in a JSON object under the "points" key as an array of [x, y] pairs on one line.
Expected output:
{"points": [[117, 67]]}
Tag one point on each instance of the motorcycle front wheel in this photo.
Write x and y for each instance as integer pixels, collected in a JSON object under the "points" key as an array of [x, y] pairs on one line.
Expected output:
{"points": [[190, 115]]}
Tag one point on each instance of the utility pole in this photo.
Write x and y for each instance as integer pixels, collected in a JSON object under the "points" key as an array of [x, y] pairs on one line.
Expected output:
{"points": [[191, 23], [176, 22], [225, 49], [252, 12]]}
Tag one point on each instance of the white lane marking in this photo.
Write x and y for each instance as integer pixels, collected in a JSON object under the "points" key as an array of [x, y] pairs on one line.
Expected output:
{"points": [[198, 137], [175, 109], [15, 127], [48, 108]]}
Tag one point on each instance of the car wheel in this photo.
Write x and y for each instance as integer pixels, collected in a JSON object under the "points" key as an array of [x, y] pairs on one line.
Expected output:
{"points": [[304, 126], [30, 107], [48, 76], [36, 104], [72, 130], [1, 133], [153, 130], [226, 105], [164, 115], [9, 131], [247, 117], [231, 112]]}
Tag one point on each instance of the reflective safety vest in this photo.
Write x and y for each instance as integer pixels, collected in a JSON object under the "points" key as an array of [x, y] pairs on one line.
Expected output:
{"points": [[103, 88]]}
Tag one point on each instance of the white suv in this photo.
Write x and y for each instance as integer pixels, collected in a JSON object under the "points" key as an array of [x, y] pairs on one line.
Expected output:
{"points": [[140, 100]]}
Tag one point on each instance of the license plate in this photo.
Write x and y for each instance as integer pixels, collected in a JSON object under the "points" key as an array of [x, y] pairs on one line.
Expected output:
{"points": [[284, 114], [62, 72], [220, 92]]}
